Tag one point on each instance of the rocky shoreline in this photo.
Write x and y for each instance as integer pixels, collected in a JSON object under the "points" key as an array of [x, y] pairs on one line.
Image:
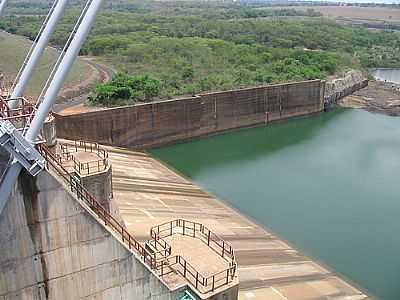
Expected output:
{"points": [[378, 96], [338, 88]]}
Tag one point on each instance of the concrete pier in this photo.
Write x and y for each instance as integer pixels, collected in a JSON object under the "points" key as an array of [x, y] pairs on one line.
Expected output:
{"points": [[148, 193]]}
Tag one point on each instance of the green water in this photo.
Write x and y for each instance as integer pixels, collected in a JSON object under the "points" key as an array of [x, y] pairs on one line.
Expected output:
{"points": [[328, 184]]}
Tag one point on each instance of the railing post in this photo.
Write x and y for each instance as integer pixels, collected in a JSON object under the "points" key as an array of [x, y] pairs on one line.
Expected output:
{"points": [[227, 276], [197, 280], [213, 283], [183, 227], [170, 228], [208, 238], [184, 269], [223, 248]]}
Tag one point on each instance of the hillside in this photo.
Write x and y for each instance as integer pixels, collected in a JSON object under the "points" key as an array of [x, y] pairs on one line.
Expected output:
{"points": [[13, 51], [182, 48]]}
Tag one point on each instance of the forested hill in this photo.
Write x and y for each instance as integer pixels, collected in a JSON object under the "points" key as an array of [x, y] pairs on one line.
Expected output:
{"points": [[176, 48]]}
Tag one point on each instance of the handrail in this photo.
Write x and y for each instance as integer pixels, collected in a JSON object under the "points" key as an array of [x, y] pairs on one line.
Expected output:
{"points": [[191, 228], [23, 110], [202, 284], [87, 167], [97, 208]]}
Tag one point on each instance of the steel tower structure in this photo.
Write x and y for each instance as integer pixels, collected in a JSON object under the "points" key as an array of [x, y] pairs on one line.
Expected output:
{"points": [[22, 146], [37, 49]]}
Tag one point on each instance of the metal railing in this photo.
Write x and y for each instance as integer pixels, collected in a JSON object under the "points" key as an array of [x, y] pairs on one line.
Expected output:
{"points": [[160, 248], [87, 167], [180, 265], [22, 112], [53, 162], [167, 264], [195, 230], [201, 283]]}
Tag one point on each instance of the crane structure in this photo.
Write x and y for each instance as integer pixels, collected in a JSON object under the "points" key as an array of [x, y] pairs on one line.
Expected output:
{"points": [[20, 142]]}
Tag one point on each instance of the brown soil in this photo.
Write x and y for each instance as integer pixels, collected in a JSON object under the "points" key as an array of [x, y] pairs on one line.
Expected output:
{"points": [[352, 12], [76, 95]]}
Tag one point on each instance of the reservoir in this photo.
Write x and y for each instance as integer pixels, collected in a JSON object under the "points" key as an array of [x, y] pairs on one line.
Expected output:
{"points": [[390, 75], [328, 184]]}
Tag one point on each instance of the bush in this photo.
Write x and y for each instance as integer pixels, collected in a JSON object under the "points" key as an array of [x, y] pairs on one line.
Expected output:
{"points": [[123, 89]]}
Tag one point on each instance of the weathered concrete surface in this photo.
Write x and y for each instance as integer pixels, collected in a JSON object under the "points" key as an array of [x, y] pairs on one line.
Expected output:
{"points": [[52, 247], [338, 88], [148, 193], [380, 97], [157, 123]]}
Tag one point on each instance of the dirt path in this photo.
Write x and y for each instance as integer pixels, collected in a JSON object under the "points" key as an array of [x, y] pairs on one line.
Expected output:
{"points": [[76, 95]]}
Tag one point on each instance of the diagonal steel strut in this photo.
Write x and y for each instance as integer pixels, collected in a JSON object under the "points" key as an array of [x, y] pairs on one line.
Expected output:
{"points": [[37, 50], [2, 6], [10, 177]]}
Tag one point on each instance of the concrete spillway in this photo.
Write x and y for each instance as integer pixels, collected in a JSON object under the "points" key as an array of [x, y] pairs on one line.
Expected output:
{"points": [[147, 193]]}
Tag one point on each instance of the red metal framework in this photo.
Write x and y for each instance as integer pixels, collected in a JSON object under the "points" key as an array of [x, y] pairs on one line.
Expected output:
{"points": [[166, 264], [87, 167], [180, 265], [53, 162], [195, 230], [23, 111]]}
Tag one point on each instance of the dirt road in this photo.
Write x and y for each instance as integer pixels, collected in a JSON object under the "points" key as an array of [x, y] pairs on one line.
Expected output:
{"points": [[77, 94]]}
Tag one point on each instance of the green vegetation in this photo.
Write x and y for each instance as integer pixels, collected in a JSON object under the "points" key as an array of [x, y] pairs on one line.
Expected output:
{"points": [[13, 50], [190, 47], [125, 89]]}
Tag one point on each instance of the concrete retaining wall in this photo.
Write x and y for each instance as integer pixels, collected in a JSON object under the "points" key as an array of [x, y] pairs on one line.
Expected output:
{"points": [[342, 87], [53, 248], [157, 123]]}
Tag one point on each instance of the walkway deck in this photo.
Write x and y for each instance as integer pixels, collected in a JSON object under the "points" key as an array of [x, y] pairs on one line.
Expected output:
{"points": [[148, 194]]}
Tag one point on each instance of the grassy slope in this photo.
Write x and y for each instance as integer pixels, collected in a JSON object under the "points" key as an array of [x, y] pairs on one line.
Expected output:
{"points": [[12, 53]]}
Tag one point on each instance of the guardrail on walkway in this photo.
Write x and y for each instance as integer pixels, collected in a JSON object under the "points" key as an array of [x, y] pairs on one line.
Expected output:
{"points": [[217, 244], [87, 167], [22, 111], [196, 230], [162, 267], [53, 162]]}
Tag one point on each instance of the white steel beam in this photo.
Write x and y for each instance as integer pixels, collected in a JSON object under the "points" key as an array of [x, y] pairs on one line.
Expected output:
{"points": [[10, 177], [33, 58], [2, 6]]}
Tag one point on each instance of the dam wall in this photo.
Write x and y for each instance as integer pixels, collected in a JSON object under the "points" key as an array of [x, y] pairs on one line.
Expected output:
{"points": [[53, 248], [157, 123], [339, 88]]}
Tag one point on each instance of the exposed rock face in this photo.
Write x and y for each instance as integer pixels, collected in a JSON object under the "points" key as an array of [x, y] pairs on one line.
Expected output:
{"points": [[341, 87]]}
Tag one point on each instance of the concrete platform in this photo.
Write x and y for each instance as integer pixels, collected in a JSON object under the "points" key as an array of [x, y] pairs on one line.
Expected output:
{"points": [[200, 256], [148, 193]]}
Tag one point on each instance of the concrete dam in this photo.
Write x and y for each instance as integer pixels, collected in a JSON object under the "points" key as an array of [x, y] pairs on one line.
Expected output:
{"points": [[105, 222]]}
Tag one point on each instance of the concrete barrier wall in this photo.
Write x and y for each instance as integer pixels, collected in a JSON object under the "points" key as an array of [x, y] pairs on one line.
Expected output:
{"points": [[342, 87], [158, 123], [52, 248]]}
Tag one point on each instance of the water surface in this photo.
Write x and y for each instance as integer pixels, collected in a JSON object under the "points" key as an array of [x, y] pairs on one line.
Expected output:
{"points": [[390, 75], [328, 184]]}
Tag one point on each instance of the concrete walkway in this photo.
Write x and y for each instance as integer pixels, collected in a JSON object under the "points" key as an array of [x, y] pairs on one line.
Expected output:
{"points": [[148, 193]]}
